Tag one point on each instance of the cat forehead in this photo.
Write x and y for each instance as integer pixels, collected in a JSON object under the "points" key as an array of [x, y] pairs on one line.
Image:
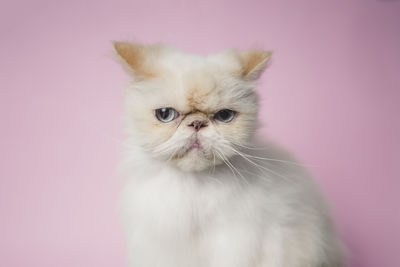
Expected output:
{"points": [[200, 82], [200, 89], [203, 92]]}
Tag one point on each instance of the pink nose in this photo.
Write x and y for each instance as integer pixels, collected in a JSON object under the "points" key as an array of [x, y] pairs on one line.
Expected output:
{"points": [[197, 124]]}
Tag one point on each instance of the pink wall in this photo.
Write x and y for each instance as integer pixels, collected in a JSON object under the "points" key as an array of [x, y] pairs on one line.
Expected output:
{"points": [[331, 95]]}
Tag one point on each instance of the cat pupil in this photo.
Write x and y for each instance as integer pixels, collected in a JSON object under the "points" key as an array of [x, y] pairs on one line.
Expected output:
{"points": [[224, 114], [164, 113]]}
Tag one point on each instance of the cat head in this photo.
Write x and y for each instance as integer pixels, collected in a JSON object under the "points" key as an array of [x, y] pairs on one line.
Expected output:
{"points": [[193, 112]]}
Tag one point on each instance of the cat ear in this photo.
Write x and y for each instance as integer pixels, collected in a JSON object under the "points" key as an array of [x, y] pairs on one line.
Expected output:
{"points": [[253, 63], [134, 58]]}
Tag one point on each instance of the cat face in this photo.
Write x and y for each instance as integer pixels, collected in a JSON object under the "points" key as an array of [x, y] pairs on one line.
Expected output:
{"points": [[191, 111]]}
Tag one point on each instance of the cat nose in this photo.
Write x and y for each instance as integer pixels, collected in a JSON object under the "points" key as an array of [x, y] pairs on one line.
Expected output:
{"points": [[197, 124]]}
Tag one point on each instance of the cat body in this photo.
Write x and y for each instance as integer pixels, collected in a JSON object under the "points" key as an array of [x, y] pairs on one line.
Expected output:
{"points": [[202, 190]]}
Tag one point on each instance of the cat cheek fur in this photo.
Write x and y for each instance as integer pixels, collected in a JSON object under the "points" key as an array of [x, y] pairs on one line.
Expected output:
{"points": [[234, 202]]}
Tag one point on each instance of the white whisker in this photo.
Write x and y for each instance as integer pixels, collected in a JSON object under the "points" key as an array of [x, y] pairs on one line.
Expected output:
{"points": [[223, 159], [229, 164], [270, 159], [258, 165]]}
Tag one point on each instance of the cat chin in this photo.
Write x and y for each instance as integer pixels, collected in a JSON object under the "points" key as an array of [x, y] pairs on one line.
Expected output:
{"points": [[196, 161]]}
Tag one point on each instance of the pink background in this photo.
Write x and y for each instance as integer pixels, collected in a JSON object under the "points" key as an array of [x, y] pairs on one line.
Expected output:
{"points": [[331, 95]]}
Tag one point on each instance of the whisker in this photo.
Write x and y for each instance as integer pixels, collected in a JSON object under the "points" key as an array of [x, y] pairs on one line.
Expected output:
{"points": [[229, 163], [271, 159], [223, 159], [258, 165], [248, 147], [213, 162]]}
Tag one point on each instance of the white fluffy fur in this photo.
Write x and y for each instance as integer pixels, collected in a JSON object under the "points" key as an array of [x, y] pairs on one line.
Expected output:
{"points": [[236, 201]]}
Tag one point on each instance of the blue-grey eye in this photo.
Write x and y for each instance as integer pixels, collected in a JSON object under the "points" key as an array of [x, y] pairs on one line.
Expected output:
{"points": [[225, 115], [166, 114]]}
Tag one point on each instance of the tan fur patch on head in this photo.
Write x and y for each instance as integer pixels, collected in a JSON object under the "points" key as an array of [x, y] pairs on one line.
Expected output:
{"points": [[200, 92], [197, 115]]}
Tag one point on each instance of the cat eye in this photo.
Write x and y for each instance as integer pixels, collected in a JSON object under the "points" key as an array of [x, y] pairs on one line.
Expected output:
{"points": [[166, 114], [225, 115]]}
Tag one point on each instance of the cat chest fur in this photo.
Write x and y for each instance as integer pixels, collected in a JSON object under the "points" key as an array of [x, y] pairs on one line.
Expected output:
{"points": [[186, 221]]}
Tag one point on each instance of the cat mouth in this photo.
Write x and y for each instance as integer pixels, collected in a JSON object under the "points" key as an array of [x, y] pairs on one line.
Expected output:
{"points": [[195, 145], [192, 147]]}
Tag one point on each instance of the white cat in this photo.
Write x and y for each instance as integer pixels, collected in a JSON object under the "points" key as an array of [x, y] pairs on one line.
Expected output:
{"points": [[201, 190]]}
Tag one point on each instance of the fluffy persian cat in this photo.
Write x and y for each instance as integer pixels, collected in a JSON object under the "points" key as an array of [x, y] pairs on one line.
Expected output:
{"points": [[202, 191]]}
